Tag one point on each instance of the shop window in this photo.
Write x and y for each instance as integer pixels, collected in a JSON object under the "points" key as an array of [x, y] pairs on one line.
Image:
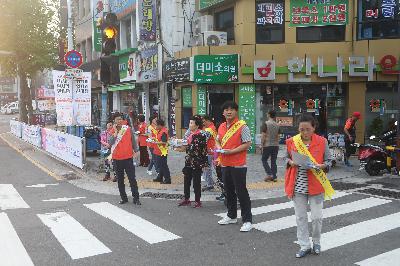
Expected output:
{"points": [[321, 34], [224, 21], [378, 19], [270, 21]]}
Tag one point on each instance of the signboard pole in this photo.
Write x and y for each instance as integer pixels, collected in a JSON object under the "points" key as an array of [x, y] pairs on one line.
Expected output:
{"points": [[104, 107]]}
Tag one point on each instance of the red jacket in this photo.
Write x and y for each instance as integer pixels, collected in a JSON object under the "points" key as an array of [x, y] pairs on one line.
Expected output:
{"points": [[142, 130], [124, 149], [211, 140], [237, 159], [317, 150]]}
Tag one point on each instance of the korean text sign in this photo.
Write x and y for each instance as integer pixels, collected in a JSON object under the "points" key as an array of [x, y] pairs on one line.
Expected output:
{"points": [[216, 68], [147, 20], [147, 65], [247, 105], [304, 13]]}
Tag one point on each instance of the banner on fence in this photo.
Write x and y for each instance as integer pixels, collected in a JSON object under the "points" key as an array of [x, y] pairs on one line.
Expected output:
{"points": [[31, 134], [16, 128], [64, 146]]}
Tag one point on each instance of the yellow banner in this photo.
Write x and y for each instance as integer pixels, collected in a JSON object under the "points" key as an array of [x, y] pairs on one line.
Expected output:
{"points": [[232, 130], [153, 130], [212, 132], [163, 148], [319, 174]]}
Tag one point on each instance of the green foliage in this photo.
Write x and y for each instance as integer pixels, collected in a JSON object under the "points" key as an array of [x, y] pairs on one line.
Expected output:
{"points": [[29, 29], [376, 127]]}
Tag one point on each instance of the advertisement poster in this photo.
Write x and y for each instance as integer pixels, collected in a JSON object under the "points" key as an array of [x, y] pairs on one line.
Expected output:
{"points": [[122, 7], [82, 100], [247, 105], [147, 20], [46, 105], [268, 13], [63, 98], [177, 70], [127, 70], [16, 128], [32, 134], [318, 13], [214, 69], [64, 146], [97, 8], [147, 65]]}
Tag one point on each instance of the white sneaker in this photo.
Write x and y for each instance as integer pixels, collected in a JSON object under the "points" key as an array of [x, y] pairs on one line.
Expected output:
{"points": [[227, 220], [149, 172], [246, 227]]}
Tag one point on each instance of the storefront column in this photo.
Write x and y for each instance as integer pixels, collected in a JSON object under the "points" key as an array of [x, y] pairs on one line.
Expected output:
{"points": [[116, 101], [146, 91], [356, 103]]}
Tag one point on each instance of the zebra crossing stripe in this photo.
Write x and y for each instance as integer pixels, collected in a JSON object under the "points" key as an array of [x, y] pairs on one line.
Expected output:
{"points": [[12, 251], [42, 185], [133, 223], [278, 206], [10, 198], [290, 221], [359, 231], [388, 258], [76, 240]]}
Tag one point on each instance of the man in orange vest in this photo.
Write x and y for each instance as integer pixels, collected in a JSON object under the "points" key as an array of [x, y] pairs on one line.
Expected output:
{"points": [[210, 128], [161, 151], [144, 155], [152, 134], [122, 152], [233, 141]]}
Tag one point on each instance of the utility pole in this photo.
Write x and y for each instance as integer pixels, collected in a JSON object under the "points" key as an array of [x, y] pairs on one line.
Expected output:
{"points": [[69, 29], [398, 123], [104, 89]]}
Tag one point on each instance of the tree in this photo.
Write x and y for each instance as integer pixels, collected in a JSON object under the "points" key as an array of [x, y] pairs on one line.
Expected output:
{"points": [[29, 30]]}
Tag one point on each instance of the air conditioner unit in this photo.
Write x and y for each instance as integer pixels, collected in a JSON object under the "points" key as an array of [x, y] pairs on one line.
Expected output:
{"points": [[202, 24], [196, 41], [215, 38]]}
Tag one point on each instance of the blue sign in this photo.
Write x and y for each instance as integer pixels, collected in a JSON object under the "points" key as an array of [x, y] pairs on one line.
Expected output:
{"points": [[73, 59], [122, 7]]}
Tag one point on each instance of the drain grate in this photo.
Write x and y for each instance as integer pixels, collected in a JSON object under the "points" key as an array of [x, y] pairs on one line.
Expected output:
{"points": [[162, 196], [346, 186], [381, 192]]}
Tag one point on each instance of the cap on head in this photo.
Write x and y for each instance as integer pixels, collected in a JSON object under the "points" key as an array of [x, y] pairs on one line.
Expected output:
{"points": [[357, 115]]}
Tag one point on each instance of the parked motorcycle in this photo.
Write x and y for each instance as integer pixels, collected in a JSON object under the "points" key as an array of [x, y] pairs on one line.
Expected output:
{"points": [[375, 158]]}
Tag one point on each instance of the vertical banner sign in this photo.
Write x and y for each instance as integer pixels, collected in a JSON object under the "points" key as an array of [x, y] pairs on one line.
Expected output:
{"points": [[82, 100], [144, 100], [268, 13], [63, 98], [147, 20], [147, 65], [304, 13], [187, 97], [201, 101], [97, 8], [127, 71], [247, 105], [171, 111]]}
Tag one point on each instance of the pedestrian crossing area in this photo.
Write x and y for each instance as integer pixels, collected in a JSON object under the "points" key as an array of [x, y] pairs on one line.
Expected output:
{"points": [[71, 231]]}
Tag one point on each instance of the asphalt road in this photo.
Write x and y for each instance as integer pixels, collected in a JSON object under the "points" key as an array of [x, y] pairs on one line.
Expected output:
{"points": [[90, 228]]}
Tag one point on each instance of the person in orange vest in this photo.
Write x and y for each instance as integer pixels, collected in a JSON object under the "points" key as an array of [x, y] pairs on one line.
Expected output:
{"points": [[152, 134], [308, 184], [210, 128], [144, 155], [122, 152], [161, 151], [350, 136], [233, 141]]}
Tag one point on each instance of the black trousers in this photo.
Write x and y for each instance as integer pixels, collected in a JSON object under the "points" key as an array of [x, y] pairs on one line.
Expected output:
{"points": [[194, 174], [270, 152], [349, 149], [163, 169], [144, 156], [122, 167], [235, 188]]}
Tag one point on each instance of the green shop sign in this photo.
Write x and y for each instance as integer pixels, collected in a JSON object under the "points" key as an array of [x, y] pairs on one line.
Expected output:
{"points": [[201, 101], [214, 69], [207, 3], [247, 105], [187, 97], [305, 13]]}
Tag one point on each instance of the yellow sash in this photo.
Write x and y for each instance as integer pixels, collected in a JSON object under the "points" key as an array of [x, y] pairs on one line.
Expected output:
{"points": [[319, 174], [153, 130], [120, 134], [163, 148], [232, 130], [212, 132]]}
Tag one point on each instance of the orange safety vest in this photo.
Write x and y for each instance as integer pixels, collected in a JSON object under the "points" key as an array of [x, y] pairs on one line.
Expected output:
{"points": [[142, 130], [317, 150], [211, 141], [157, 150], [124, 149], [153, 135], [237, 159]]}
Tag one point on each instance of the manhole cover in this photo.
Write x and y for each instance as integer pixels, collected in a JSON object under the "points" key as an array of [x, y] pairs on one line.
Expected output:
{"points": [[162, 196]]}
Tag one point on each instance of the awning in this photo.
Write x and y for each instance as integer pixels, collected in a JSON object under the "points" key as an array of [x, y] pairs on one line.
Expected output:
{"points": [[122, 87]]}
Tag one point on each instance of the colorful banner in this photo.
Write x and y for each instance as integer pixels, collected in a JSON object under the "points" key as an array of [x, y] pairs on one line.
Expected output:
{"points": [[201, 101], [122, 8], [32, 134], [64, 146], [304, 13], [216, 69], [147, 65], [44, 93], [208, 3], [97, 8], [127, 71], [63, 98], [147, 13], [82, 100], [247, 105], [16, 128]]}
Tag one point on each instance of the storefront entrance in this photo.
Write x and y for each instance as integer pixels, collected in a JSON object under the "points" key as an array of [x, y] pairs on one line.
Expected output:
{"points": [[216, 98]]}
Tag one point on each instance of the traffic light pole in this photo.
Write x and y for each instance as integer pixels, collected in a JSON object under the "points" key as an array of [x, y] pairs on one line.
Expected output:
{"points": [[104, 106]]}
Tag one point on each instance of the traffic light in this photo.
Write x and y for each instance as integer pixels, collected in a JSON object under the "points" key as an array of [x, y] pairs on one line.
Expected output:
{"points": [[110, 29], [109, 69]]}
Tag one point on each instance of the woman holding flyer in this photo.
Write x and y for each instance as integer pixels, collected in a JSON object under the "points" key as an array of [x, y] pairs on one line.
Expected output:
{"points": [[306, 183]]}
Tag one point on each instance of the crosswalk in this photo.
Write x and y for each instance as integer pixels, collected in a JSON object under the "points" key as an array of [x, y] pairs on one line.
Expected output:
{"points": [[72, 234]]}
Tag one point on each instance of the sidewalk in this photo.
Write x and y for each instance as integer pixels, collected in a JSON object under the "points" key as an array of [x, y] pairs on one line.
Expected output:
{"points": [[91, 177]]}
